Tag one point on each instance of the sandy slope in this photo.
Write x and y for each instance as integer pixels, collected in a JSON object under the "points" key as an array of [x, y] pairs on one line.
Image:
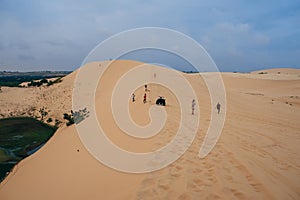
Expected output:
{"points": [[256, 156], [55, 99]]}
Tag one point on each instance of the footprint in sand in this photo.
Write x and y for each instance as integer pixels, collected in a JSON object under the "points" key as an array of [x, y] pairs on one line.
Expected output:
{"points": [[184, 196], [228, 178], [148, 182], [178, 167], [238, 194], [257, 186], [197, 171], [175, 170], [197, 181], [164, 187], [191, 186], [175, 175], [146, 194], [191, 162], [164, 184], [213, 197]]}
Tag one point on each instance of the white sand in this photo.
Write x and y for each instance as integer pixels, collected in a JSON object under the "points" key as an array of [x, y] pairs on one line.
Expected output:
{"points": [[256, 157]]}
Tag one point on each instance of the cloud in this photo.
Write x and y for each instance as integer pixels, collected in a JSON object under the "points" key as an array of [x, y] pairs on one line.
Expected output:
{"points": [[235, 33], [25, 57]]}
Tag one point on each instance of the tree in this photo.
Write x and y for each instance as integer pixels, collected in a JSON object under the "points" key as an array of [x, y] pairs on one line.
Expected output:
{"points": [[44, 81], [43, 112], [69, 118], [49, 120], [57, 122]]}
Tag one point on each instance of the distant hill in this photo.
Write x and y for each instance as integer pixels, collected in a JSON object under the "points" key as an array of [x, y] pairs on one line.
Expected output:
{"points": [[13, 79], [278, 71]]}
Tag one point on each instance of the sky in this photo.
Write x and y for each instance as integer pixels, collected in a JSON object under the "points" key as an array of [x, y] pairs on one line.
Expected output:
{"points": [[239, 35]]}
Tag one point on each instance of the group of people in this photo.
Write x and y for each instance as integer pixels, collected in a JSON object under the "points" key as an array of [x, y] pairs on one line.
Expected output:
{"points": [[193, 101], [194, 104], [144, 97]]}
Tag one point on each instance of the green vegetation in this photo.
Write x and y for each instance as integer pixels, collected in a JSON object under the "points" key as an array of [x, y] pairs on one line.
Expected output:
{"points": [[190, 72], [44, 82], [76, 117], [13, 79], [4, 157], [49, 120], [69, 118], [57, 123], [43, 112], [80, 115], [58, 80], [263, 73], [20, 137]]}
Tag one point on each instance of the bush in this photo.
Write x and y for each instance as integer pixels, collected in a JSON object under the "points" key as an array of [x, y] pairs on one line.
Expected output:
{"points": [[43, 112], [80, 115], [57, 122], [49, 120], [35, 83], [58, 80], [44, 81], [69, 123], [69, 118], [50, 83]]}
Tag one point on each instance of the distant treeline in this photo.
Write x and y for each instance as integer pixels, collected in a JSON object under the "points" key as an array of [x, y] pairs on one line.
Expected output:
{"points": [[13, 79], [190, 72]]}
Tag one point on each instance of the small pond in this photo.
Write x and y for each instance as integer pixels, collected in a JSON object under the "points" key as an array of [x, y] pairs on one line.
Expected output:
{"points": [[19, 138]]}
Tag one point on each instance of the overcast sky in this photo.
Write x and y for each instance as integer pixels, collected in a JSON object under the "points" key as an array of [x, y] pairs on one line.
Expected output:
{"points": [[240, 35]]}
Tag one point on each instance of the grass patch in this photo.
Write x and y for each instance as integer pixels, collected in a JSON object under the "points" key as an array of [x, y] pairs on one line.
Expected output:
{"points": [[3, 156]]}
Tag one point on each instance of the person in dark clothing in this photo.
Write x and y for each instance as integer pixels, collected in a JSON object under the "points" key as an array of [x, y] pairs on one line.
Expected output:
{"points": [[145, 98], [218, 107], [193, 106]]}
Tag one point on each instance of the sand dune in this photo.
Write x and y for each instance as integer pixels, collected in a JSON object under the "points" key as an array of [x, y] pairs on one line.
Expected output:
{"points": [[256, 156], [271, 74], [288, 71], [55, 99]]}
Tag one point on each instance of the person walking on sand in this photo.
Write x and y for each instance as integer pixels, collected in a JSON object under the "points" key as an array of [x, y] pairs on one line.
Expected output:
{"points": [[218, 107], [146, 88], [193, 106], [133, 97], [145, 98]]}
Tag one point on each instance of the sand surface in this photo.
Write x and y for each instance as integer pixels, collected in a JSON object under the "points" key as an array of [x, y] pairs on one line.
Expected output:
{"points": [[256, 157]]}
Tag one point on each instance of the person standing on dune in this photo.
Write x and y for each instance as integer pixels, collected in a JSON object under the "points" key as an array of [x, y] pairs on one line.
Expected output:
{"points": [[145, 98], [133, 97], [218, 107], [193, 106]]}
